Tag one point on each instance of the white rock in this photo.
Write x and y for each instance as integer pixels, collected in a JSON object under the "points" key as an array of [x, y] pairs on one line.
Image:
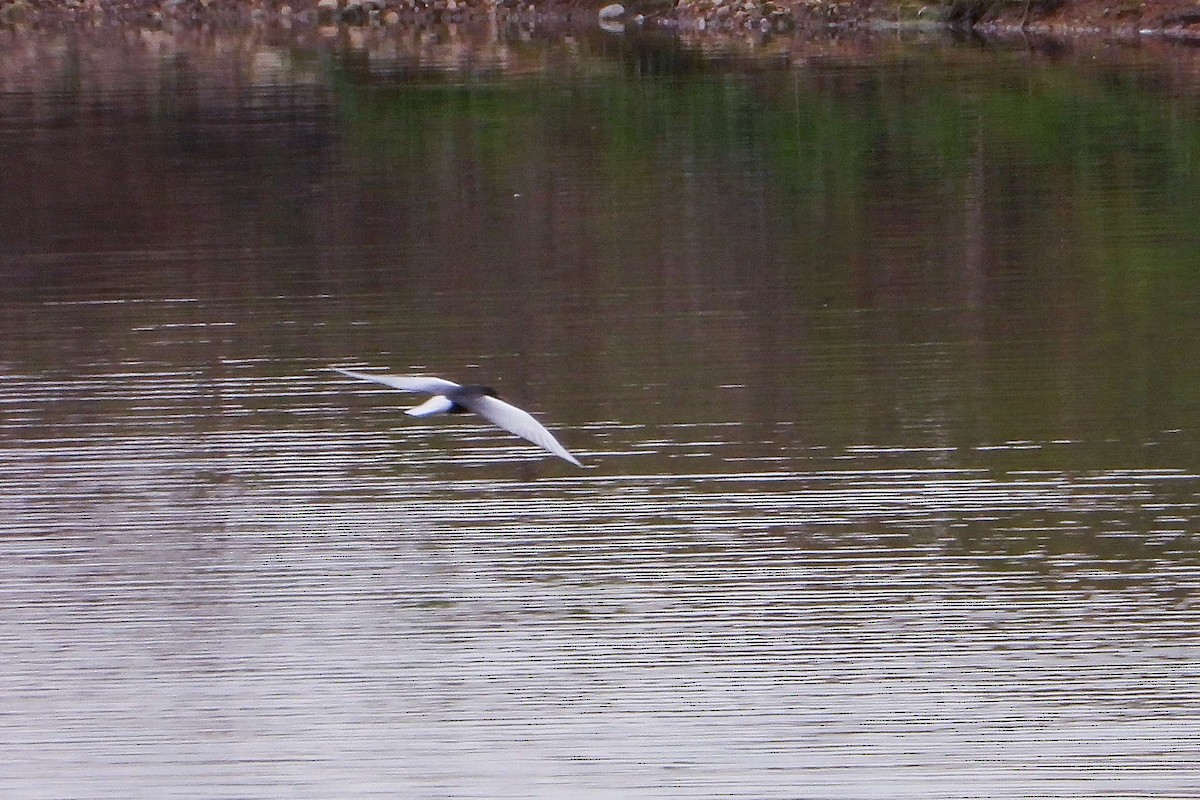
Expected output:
{"points": [[612, 11]]}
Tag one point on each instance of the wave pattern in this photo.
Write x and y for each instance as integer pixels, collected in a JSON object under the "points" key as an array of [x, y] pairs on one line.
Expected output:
{"points": [[201, 605]]}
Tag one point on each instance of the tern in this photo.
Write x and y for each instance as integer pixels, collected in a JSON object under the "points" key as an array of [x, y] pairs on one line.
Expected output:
{"points": [[449, 397]]}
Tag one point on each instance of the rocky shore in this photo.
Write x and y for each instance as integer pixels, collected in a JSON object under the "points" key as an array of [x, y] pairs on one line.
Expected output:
{"points": [[1177, 19]]}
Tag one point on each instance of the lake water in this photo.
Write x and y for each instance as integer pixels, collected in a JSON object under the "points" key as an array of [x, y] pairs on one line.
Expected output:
{"points": [[883, 358]]}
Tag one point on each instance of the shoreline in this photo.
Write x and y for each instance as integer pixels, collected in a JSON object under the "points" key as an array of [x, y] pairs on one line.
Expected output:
{"points": [[1124, 20]]}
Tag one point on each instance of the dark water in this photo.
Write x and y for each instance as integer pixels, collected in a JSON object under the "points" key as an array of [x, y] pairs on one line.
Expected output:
{"points": [[883, 362]]}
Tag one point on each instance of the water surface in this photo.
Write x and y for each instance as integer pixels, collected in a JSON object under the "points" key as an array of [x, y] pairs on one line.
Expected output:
{"points": [[883, 365]]}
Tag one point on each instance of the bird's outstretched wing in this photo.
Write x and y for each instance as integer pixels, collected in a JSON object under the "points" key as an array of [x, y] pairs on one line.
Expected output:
{"points": [[518, 422], [438, 404], [405, 383]]}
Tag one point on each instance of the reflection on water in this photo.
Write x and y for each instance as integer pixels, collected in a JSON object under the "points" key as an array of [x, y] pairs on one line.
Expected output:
{"points": [[883, 372]]}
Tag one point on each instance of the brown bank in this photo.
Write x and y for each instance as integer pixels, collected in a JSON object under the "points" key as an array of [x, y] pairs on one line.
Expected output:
{"points": [[1174, 19]]}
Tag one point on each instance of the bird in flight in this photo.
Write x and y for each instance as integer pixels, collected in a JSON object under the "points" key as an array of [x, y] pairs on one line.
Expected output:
{"points": [[451, 398]]}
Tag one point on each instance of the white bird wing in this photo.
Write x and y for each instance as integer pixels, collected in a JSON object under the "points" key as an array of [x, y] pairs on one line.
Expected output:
{"points": [[405, 383], [438, 404], [518, 422]]}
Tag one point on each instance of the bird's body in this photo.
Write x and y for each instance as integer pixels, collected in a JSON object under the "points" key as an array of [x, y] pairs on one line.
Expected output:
{"points": [[448, 397]]}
